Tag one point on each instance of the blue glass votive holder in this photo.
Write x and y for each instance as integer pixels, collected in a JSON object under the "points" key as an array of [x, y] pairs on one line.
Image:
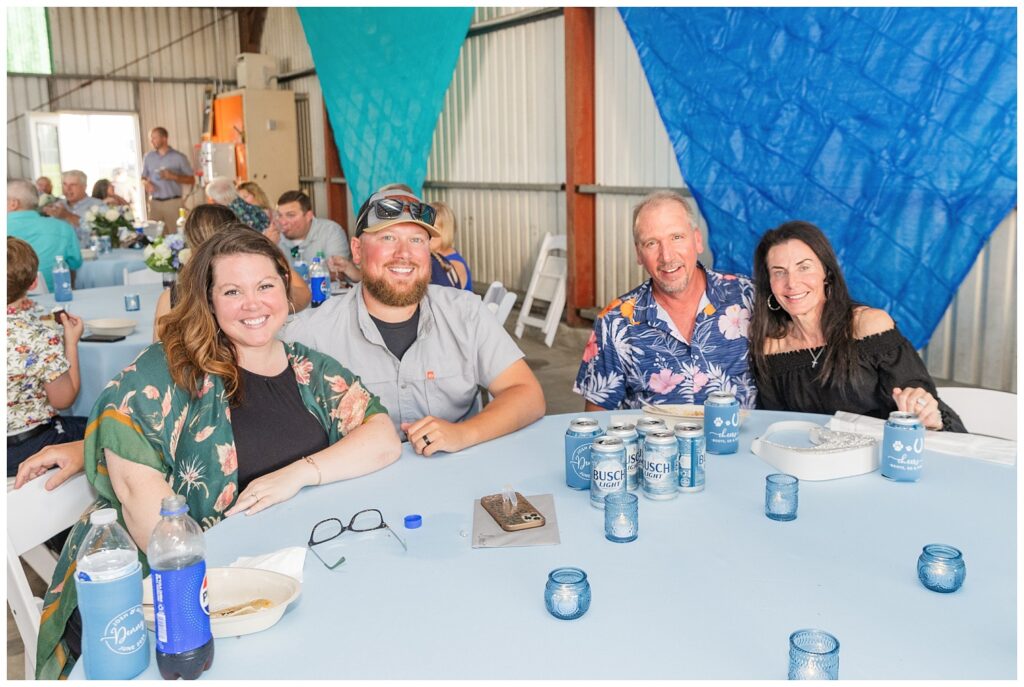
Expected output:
{"points": [[620, 516], [781, 496], [567, 593], [131, 302], [813, 655], [105, 244], [941, 568]]}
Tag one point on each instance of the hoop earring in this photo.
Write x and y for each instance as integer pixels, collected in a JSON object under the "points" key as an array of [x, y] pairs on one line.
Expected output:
{"points": [[777, 306]]}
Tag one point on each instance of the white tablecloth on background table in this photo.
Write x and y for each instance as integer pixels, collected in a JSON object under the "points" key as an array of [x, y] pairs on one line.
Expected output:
{"points": [[710, 589], [99, 362], [108, 269]]}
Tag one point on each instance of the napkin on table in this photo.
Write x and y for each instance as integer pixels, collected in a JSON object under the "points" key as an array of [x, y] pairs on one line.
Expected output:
{"points": [[287, 561], [488, 534], [979, 446]]}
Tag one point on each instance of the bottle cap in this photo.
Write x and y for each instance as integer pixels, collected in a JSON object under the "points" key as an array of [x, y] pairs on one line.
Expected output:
{"points": [[413, 521], [103, 516]]}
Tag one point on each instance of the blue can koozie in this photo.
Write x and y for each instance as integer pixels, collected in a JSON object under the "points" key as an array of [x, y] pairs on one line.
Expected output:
{"points": [[721, 423], [115, 642], [902, 447]]}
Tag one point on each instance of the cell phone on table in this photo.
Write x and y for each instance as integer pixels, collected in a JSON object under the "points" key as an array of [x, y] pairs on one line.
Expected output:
{"points": [[523, 517], [103, 338]]}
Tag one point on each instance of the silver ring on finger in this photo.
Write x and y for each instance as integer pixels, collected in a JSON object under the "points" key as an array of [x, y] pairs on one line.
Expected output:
{"points": [[922, 401]]}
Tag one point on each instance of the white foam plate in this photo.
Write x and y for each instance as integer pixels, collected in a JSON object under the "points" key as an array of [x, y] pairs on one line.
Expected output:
{"points": [[231, 586], [88, 254], [115, 326]]}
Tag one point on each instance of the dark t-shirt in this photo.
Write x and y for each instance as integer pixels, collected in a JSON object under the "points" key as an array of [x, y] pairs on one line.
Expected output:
{"points": [[398, 336], [272, 427]]}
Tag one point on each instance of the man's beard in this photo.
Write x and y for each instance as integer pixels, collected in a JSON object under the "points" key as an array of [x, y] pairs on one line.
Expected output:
{"points": [[379, 288]]}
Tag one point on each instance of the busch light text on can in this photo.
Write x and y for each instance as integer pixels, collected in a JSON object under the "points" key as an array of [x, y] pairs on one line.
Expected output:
{"points": [[644, 426], [721, 423], [902, 447], [660, 466], [690, 438], [631, 442], [578, 438], [608, 469]]}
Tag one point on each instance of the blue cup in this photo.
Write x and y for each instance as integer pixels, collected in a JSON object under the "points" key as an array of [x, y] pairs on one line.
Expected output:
{"points": [[620, 517], [941, 568], [115, 642], [813, 655], [781, 493], [567, 593], [131, 302]]}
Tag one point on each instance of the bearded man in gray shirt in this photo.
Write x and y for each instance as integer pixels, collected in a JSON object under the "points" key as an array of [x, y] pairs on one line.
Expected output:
{"points": [[424, 350]]}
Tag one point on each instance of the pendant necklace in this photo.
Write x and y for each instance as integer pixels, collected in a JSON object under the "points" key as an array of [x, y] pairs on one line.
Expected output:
{"points": [[815, 356]]}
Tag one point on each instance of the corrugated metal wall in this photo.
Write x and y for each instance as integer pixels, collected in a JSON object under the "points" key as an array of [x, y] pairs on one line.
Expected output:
{"points": [[504, 121]]}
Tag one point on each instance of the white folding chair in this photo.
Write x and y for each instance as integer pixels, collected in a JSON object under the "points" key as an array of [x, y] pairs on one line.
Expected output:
{"points": [[33, 516], [499, 301], [548, 284], [144, 276], [40, 288], [984, 411]]}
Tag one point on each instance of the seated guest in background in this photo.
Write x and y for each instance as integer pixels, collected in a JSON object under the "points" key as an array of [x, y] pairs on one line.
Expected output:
{"points": [[678, 336], [814, 350], [301, 236], [203, 222], [75, 203], [164, 171], [44, 185], [48, 237], [251, 193], [104, 190], [425, 350], [221, 191], [221, 373], [42, 370], [443, 244]]}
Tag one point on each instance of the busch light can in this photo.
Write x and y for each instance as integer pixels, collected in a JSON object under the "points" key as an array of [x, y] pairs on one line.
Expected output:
{"points": [[722, 422], [608, 471], [578, 438], [690, 438], [631, 441], [645, 426], [902, 447], [660, 465]]}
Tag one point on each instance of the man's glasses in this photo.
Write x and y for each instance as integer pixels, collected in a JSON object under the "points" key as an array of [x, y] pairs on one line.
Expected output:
{"points": [[364, 521], [391, 208]]}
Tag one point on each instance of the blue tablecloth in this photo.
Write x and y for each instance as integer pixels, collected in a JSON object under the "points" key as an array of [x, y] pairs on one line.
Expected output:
{"points": [[108, 269], [710, 589], [99, 362]]}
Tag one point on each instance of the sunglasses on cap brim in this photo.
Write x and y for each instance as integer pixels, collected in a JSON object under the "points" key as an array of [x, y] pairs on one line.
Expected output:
{"points": [[391, 208]]}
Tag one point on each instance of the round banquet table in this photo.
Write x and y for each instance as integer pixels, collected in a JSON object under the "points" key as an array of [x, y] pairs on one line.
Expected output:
{"points": [[100, 362], [108, 269], [710, 589]]}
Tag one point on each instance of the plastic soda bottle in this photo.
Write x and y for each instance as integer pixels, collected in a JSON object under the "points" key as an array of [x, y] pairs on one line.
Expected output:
{"points": [[61, 281], [181, 609], [319, 282], [108, 578]]}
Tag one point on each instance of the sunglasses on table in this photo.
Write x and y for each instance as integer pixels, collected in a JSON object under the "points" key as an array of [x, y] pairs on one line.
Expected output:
{"points": [[391, 208], [367, 520]]}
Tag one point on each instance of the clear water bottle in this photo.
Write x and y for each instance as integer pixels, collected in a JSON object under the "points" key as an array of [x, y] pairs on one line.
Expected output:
{"points": [[319, 282], [177, 558], [108, 578], [61, 281], [179, 226]]}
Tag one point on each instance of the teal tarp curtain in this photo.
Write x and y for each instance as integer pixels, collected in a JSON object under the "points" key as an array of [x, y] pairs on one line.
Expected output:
{"points": [[384, 73]]}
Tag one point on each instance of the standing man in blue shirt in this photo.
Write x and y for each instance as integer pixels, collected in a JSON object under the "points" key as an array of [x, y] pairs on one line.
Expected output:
{"points": [[681, 334], [75, 203], [164, 170], [48, 236]]}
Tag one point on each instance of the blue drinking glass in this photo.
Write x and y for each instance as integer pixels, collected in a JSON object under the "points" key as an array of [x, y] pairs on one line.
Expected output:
{"points": [[813, 655], [781, 496], [941, 568], [620, 516], [567, 593]]}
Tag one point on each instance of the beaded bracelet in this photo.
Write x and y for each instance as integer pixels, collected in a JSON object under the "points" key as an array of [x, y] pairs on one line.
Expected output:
{"points": [[319, 475]]}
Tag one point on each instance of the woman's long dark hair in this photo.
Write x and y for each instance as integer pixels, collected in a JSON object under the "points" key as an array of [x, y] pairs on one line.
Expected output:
{"points": [[839, 366]]}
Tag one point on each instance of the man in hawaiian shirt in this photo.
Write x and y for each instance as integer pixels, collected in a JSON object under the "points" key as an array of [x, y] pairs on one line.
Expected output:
{"points": [[678, 336]]}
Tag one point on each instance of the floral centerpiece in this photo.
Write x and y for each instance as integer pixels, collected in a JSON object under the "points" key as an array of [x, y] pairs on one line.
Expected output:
{"points": [[166, 254], [108, 220]]}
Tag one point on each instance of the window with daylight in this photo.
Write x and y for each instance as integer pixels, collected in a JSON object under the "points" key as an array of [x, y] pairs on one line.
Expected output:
{"points": [[28, 41]]}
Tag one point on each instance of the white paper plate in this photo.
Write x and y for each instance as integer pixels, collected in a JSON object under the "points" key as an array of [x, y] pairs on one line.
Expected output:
{"points": [[115, 326], [231, 586], [88, 254], [672, 413]]}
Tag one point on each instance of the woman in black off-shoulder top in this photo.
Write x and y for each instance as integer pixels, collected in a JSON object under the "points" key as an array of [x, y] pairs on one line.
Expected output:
{"points": [[813, 349]]}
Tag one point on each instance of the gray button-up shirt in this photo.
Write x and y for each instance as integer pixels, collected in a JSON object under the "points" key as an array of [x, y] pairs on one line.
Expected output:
{"points": [[80, 208], [459, 345], [324, 235]]}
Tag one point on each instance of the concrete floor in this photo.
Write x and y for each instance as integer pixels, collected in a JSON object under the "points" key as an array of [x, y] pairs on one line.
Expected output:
{"points": [[555, 368]]}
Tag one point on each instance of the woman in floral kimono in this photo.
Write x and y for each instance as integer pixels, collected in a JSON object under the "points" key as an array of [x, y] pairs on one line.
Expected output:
{"points": [[201, 415]]}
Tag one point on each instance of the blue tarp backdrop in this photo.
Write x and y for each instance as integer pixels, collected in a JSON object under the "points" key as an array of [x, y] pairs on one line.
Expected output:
{"points": [[894, 130], [384, 73]]}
